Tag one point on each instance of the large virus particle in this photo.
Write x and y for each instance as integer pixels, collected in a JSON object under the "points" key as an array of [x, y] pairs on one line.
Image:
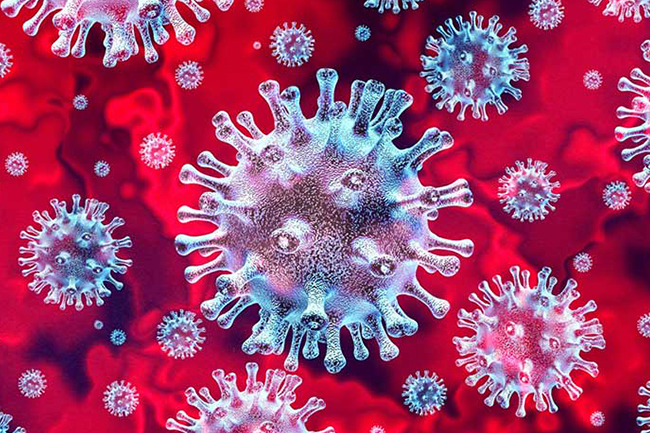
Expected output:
{"points": [[546, 14], [644, 409], [424, 394], [118, 19], [528, 340], [392, 5], [32, 383], [323, 223], [121, 398], [473, 66], [74, 253], [5, 419], [6, 60], [292, 45], [626, 9], [179, 334], [260, 407]]}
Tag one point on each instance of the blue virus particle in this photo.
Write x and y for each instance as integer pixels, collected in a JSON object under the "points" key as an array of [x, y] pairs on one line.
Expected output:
{"points": [[74, 253], [5, 419], [260, 407], [625, 9], [392, 5], [118, 337], [121, 398], [179, 334], [98, 324], [546, 14], [102, 168], [644, 409], [362, 33], [473, 66], [424, 394], [527, 341], [32, 383], [323, 223], [292, 45], [80, 102], [6, 60], [617, 195]]}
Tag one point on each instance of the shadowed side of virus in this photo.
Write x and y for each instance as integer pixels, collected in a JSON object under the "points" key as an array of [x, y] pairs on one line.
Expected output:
{"points": [[392, 5], [179, 334], [625, 9], [323, 223], [260, 407], [292, 45], [527, 340], [5, 419], [424, 394]]}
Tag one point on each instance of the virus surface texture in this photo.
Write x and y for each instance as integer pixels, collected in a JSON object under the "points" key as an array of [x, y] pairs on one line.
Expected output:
{"points": [[597, 419], [6, 62], [473, 66], [16, 164], [74, 253], [260, 407], [582, 262], [189, 75], [644, 409], [617, 195], [80, 102], [528, 340], [32, 383], [392, 5], [424, 394], [179, 334], [592, 79], [323, 223], [292, 45], [254, 5], [121, 398], [157, 150], [546, 14], [102, 168], [643, 325], [625, 9], [5, 419], [118, 337], [362, 33]]}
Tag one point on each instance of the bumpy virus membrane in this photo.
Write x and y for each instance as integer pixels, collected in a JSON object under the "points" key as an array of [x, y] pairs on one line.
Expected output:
{"points": [[16, 164], [597, 419], [592, 79], [118, 337], [5, 419], [644, 409], [32, 383], [546, 14], [617, 195], [625, 9], [102, 168], [74, 253], [189, 75], [582, 262], [362, 33], [292, 45], [424, 394], [528, 340], [392, 5], [179, 334], [473, 66], [121, 398], [157, 150], [118, 19], [323, 223], [643, 325], [260, 407], [6, 60]]}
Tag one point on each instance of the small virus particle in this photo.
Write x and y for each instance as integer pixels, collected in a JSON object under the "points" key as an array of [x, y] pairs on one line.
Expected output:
{"points": [[617, 195], [473, 66], [80, 102], [98, 324], [645, 49], [32, 383], [179, 334], [257, 45], [121, 398], [102, 168], [157, 150], [6, 62], [626, 9], [362, 33], [377, 429], [292, 46], [394, 5], [528, 340], [254, 5], [16, 164], [582, 262], [592, 79], [527, 191], [546, 14], [118, 337], [189, 75], [270, 402], [424, 394], [597, 419], [643, 325], [5, 419]]}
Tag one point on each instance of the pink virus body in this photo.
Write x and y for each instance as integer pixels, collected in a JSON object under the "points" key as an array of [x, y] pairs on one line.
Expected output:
{"points": [[157, 150], [527, 340], [6, 60], [16, 164], [625, 9], [597, 419], [121, 398]]}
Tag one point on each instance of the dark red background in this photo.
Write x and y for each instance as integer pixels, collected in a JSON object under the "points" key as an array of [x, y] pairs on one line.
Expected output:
{"points": [[558, 121]]}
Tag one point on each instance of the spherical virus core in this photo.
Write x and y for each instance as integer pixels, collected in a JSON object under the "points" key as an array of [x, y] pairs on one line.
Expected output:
{"points": [[6, 62], [121, 398], [189, 75], [617, 195], [643, 325], [424, 394], [582, 262], [16, 164], [118, 337], [80, 102], [546, 14], [597, 419], [32, 383], [292, 45], [102, 168], [179, 334], [592, 79], [362, 33], [157, 150]]}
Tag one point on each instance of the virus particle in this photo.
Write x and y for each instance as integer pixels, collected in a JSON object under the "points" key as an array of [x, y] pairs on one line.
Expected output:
{"points": [[16, 164], [643, 409], [80, 102], [546, 14], [377, 429], [597, 419], [257, 45], [121, 398], [260, 407], [5, 419], [473, 66], [592, 79], [74, 253], [254, 5], [617, 195], [625, 9], [528, 340], [189, 75], [393, 5], [582, 262], [118, 337], [102, 168], [157, 150], [292, 46], [645, 49], [98, 324], [179, 334], [643, 325], [323, 223], [424, 394], [362, 33], [32, 383], [638, 134], [6, 62]]}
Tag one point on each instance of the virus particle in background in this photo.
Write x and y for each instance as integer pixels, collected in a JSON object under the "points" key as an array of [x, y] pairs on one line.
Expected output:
{"points": [[645, 49], [597, 419], [527, 191], [473, 66], [32, 383], [74, 253], [292, 46], [80, 102], [323, 223], [582, 262], [260, 407], [6, 62], [254, 5], [626, 9], [546, 14], [157, 150], [643, 325], [189, 75], [118, 337], [592, 79], [5, 419], [121, 398], [424, 394], [16, 164], [528, 340], [394, 5], [617, 195], [362, 33], [377, 429], [179, 334], [102, 168], [644, 409], [257, 45], [98, 324]]}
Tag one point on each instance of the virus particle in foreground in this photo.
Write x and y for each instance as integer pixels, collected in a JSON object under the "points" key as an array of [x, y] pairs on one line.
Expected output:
{"points": [[32, 383], [121, 398], [644, 409], [617, 195], [189, 75], [597, 419], [260, 407], [393, 5], [424, 394], [473, 66], [362, 33], [527, 191], [118, 337], [582, 262], [179, 334], [98, 324], [643, 325], [80, 102], [638, 134], [74, 253], [102, 168], [323, 223], [592, 79], [16, 164], [546, 14], [157, 150], [5, 419], [292, 46], [6, 62], [626, 9], [528, 340], [254, 5]]}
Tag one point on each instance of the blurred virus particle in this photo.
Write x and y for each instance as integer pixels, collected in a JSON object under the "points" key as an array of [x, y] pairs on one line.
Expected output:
{"points": [[292, 46], [102, 168], [121, 398], [424, 394], [179, 334], [98, 324], [5, 419], [80, 102], [32, 383], [582, 262], [617, 195], [528, 341], [377, 429], [645, 49], [254, 5], [592, 79], [626, 9], [597, 419], [6, 62], [119, 20], [323, 223], [16, 164], [394, 5], [74, 253], [546, 14], [189, 75], [118, 337], [260, 407], [643, 325], [473, 66], [362, 33], [157, 150], [257, 45], [640, 109], [643, 409]]}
